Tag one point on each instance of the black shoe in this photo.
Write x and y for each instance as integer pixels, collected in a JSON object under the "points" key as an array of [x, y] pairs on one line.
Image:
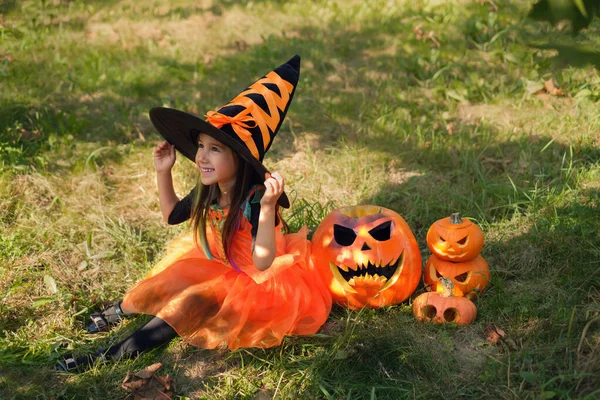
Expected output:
{"points": [[70, 364], [102, 322]]}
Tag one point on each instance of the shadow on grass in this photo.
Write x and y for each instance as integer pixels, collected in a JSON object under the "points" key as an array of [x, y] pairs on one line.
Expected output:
{"points": [[572, 54], [7, 6]]}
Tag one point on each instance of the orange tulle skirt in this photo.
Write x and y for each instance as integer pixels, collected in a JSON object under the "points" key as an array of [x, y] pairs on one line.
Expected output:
{"points": [[209, 303]]}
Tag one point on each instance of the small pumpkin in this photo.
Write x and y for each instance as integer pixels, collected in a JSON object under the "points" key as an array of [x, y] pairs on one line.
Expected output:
{"points": [[455, 239], [367, 255], [470, 278], [443, 307]]}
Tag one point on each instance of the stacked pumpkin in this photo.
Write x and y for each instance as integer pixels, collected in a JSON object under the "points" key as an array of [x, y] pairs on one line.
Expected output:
{"points": [[454, 274]]}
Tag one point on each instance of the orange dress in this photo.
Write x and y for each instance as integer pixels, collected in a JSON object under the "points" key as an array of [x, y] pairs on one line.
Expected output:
{"points": [[208, 302]]}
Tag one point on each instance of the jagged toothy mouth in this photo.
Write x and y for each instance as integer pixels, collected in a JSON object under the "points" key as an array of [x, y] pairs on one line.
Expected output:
{"points": [[386, 274]]}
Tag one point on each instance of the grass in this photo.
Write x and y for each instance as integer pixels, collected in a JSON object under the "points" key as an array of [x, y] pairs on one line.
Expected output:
{"points": [[424, 108]]}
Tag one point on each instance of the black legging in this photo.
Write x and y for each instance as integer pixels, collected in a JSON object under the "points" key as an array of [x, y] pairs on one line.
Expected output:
{"points": [[154, 333]]}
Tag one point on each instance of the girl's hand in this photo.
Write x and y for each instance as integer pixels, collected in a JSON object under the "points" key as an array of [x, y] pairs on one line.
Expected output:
{"points": [[274, 186], [164, 157]]}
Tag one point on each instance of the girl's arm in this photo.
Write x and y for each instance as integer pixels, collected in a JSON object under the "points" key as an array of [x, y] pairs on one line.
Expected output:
{"points": [[164, 159], [264, 246]]}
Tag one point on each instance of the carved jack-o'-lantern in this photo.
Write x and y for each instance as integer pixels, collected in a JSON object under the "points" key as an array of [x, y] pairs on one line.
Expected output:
{"points": [[469, 277], [455, 239], [443, 307], [367, 255]]}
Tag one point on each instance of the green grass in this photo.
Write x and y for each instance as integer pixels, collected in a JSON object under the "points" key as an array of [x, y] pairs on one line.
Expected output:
{"points": [[424, 108]]}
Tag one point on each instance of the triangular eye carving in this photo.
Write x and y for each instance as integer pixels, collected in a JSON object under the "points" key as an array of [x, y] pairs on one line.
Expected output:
{"points": [[382, 232], [343, 236], [462, 278], [463, 240]]}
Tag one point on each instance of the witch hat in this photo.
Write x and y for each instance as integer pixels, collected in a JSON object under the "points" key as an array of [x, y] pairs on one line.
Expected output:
{"points": [[248, 123]]}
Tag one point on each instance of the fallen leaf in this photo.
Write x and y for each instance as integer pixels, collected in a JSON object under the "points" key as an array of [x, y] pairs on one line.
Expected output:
{"points": [[134, 385], [50, 284], [164, 381], [494, 334], [149, 371], [418, 31], [145, 384], [150, 393], [551, 88], [128, 377]]}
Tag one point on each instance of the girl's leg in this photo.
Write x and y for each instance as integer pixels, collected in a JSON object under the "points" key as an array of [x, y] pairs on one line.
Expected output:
{"points": [[153, 334]]}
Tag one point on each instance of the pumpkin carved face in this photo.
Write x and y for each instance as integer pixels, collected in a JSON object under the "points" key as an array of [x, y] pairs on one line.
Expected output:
{"points": [[468, 276], [367, 255], [455, 239], [443, 308]]}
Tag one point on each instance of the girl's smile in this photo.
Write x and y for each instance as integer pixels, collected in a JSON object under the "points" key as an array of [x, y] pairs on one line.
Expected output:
{"points": [[216, 163]]}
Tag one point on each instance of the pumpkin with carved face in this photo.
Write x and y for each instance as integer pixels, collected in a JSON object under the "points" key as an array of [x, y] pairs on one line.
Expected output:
{"points": [[367, 255], [470, 278], [455, 239], [442, 307]]}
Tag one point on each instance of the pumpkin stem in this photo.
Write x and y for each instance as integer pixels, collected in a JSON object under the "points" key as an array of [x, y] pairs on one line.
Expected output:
{"points": [[455, 218], [448, 286]]}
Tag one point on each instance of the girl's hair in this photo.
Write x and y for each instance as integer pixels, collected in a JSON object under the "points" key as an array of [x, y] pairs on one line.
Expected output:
{"points": [[246, 177]]}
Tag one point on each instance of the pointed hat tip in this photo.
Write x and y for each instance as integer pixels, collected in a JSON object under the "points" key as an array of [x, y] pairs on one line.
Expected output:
{"points": [[294, 62]]}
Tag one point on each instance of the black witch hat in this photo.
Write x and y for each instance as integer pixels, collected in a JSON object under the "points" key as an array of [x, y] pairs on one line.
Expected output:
{"points": [[248, 123]]}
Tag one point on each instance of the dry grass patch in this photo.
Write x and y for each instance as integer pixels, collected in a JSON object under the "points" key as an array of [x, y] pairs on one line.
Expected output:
{"points": [[563, 115], [503, 115], [204, 36], [347, 178], [398, 175]]}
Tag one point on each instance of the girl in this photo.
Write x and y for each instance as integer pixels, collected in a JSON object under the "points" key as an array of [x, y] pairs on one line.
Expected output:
{"points": [[235, 279]]}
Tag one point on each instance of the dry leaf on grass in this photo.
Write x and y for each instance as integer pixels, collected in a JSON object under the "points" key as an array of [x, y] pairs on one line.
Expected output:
{"points": [[134, 385], [127, 377], [145, 384], [149, 371], [551, 88], [164, 381], [496, 335]]}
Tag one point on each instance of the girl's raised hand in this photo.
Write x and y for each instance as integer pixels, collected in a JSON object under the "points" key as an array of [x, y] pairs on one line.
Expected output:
{"points": [[164, 157], [274, 186]]}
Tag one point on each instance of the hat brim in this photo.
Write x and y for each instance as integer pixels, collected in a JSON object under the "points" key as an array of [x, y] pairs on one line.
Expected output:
{"points": [[182, 130]]}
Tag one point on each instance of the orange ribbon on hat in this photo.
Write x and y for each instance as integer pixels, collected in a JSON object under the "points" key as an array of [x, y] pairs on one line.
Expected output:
{"points": [[240, 122]]}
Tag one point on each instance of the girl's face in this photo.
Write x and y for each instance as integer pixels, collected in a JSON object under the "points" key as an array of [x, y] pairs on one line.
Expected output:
{"points": [[216, 162]]}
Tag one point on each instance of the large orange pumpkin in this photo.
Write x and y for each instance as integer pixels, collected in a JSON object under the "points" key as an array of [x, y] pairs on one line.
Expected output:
{"points": [[443, 307], [368, 256], [469, 277], [455, 239]]}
